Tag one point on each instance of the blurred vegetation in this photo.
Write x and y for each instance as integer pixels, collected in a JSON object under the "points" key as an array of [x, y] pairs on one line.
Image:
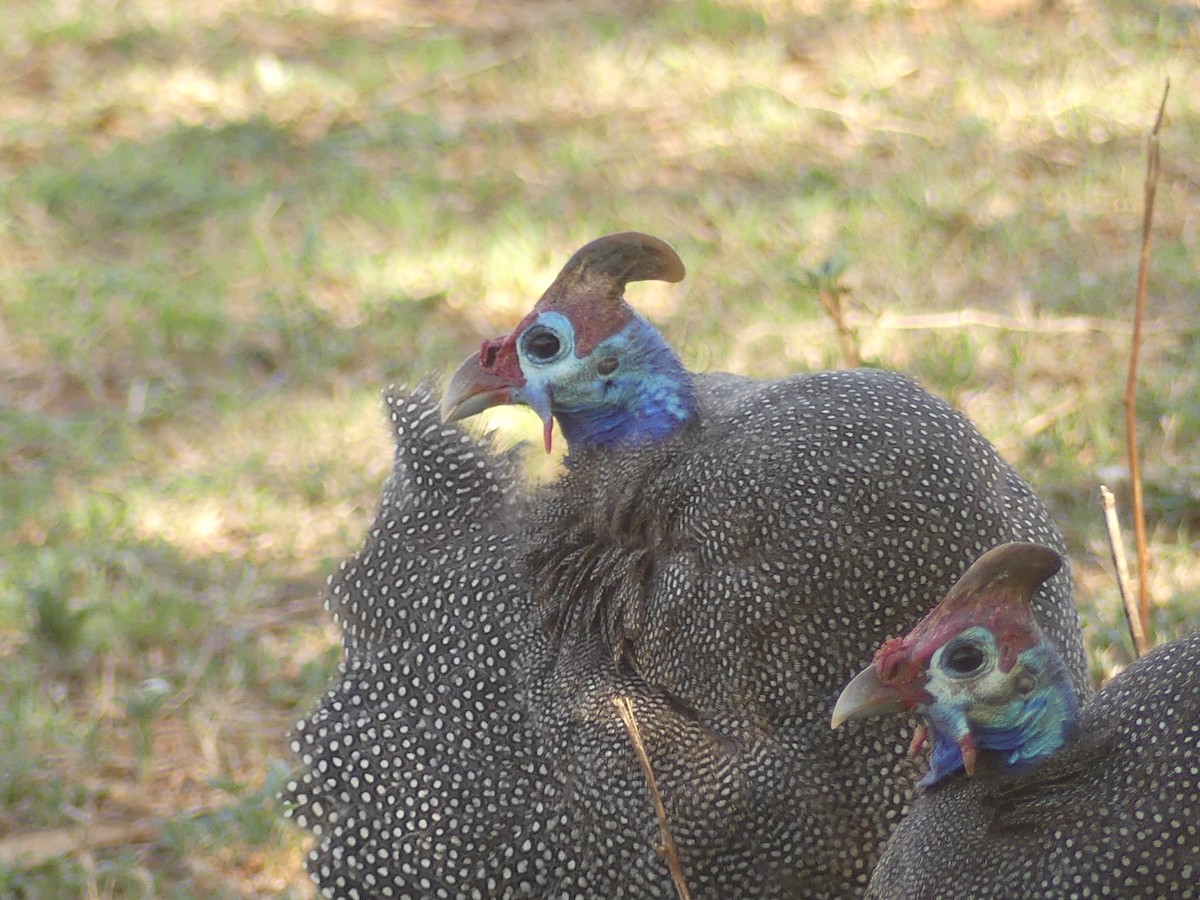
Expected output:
{"points": [[224, 227]]}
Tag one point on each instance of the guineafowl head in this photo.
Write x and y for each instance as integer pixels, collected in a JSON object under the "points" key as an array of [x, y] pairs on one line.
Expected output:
{"points": [[584, 357], [977, 668]]}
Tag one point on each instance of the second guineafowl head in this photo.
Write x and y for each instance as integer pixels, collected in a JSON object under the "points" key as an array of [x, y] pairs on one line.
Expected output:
{"points": [[740, 546], [977, 668], [1029, 795]]}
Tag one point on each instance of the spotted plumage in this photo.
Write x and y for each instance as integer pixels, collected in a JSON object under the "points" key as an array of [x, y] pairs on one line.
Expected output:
{"points": [[417, 763], [460, 753], [744, 563], [1108, 806], [749, 586], [726, 568]]}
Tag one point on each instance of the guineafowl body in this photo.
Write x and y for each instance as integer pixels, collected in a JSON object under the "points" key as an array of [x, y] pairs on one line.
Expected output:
{"points": [[418, 761], [738, 547], [749, 585], [461, 752], [1046, 800]]}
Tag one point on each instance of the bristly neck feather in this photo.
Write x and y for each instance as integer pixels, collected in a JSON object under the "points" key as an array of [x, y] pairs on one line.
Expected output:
{"points": [[1023, 734], [648, 398]]}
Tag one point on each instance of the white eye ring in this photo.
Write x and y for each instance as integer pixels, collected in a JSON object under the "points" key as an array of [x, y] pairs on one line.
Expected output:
{"points": [[541, 344], [962, 657]]}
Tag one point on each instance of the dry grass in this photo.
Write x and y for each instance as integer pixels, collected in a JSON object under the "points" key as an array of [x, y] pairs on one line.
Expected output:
{"points": [[225, 226]]}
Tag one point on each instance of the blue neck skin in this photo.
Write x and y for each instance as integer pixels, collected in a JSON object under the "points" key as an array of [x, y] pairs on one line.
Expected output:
{"points": [[648, 398], [1024, 732]]}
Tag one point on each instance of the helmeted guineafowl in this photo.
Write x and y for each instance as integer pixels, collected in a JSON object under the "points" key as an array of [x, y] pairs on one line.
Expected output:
{"points": [[462, 753], [417, 762], [1098, 801], [739, 546]]}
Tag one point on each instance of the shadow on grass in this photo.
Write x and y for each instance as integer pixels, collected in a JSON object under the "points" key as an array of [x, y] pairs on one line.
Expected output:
{"points": [[146, 696], [226, 229]]}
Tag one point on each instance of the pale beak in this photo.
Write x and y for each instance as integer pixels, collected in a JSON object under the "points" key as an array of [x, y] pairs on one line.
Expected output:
{"points": [[471, 390], [864, 697]]}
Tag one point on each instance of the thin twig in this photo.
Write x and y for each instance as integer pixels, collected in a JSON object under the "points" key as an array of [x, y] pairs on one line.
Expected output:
{"points": [[1139, 313], [975, 318], [833, 299], [1116, 545], [402, 96], [31, 849], [667, 849], [1048, 417]]}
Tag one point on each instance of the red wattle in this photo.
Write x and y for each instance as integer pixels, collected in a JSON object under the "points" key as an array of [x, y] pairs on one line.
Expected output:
{"points": [[920, 736]]}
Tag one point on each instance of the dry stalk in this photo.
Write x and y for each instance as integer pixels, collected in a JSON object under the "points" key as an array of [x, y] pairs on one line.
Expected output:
{"points": [[667, 849], [1116, 544], [28, 850], [1139, 314], [975, 318], [834, 301]]}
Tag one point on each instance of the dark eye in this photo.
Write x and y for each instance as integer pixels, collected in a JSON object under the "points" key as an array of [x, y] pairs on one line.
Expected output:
{"points": [[541, 344], [962, 657]]}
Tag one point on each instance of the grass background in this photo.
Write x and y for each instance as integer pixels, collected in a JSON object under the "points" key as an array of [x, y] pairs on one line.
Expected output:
{"points": [[224, 227]]}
